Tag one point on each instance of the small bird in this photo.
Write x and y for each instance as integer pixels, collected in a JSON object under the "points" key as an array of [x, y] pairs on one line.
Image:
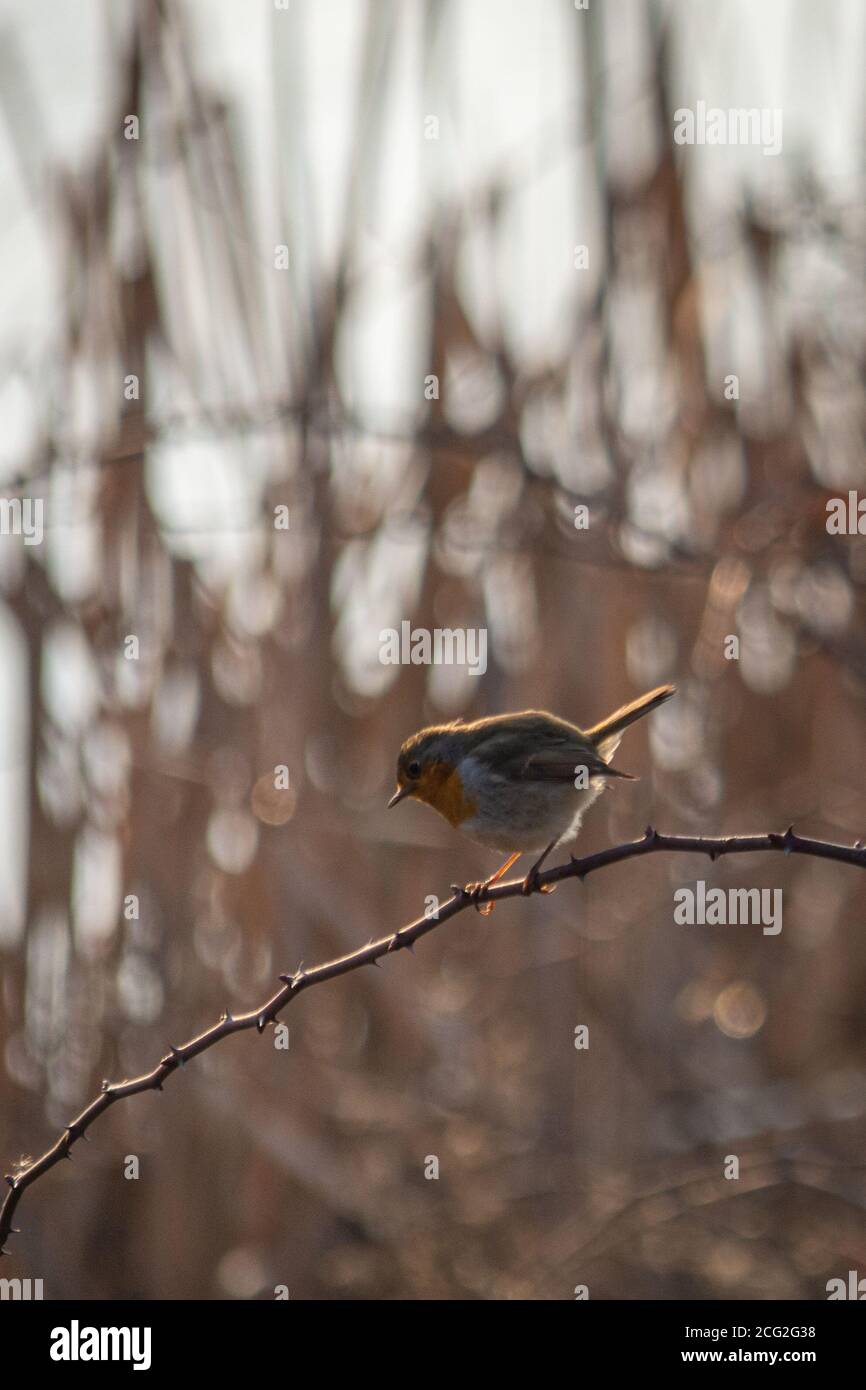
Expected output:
{"points": [[517, 783]]}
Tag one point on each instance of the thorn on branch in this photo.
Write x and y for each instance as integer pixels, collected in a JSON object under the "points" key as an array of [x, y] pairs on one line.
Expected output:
{"points": [[293, 981]]}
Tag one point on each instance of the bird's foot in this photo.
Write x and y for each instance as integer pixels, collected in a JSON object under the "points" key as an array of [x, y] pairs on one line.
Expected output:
{"points": [[531, 884], [474, 891]]}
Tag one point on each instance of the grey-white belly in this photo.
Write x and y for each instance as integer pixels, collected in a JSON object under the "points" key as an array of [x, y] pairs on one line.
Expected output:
{"points": [[526, 816]]}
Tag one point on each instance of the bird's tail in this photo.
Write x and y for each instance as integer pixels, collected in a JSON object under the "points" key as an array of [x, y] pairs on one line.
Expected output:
{"points": [[608, 732]]}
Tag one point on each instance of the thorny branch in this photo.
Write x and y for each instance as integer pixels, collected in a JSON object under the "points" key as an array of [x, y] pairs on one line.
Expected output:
{"points": [[403, 939]]}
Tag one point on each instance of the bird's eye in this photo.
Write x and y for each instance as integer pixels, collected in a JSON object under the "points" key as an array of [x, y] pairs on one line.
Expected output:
{"points": [[414, 769]]}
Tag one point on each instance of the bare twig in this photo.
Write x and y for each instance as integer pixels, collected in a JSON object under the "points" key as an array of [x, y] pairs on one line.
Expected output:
{"points": [[403, 939]]}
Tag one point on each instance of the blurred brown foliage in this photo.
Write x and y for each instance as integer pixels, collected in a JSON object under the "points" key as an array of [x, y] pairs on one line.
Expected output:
{"points": [[258, 648]]}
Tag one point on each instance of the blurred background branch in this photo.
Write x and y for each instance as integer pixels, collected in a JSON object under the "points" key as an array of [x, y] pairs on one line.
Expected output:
{"points": [[429, 278]]}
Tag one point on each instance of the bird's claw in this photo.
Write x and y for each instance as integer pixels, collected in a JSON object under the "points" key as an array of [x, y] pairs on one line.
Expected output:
{"points": [[531, 884], [474, 891]]}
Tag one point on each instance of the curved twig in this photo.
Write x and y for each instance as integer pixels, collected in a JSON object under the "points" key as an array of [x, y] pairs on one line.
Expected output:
{"points": [[403, 939]]}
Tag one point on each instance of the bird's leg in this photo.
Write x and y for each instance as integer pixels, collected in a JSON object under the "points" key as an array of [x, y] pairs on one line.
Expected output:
{"points": [[476, 889], [530, 883]]}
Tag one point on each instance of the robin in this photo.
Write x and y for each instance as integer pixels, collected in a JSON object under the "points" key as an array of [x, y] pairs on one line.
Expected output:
{"points": [[517, 783]]}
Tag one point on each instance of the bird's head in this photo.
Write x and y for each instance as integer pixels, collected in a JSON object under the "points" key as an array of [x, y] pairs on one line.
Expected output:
{"points": [[425, 768]]}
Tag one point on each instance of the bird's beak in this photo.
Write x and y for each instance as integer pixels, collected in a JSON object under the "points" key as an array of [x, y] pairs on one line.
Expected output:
{"points": [[399, 794]]}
